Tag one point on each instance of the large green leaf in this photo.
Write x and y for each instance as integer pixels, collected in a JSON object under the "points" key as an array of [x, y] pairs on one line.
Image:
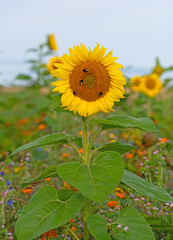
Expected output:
{"points": [[138, 227], [123, 121], [46, 211], [97, 226], [143, 187], [117, 147], [50, 139], [97, 181], [48, 172], [160, 224]]}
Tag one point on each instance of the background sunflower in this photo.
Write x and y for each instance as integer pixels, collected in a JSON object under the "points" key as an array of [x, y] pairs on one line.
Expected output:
{"points": [[152, 85]]}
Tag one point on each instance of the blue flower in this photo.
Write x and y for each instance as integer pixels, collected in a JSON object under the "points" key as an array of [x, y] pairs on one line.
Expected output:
{"points": [[38, 149], [2, 173], [10, 202], [8, 183]]}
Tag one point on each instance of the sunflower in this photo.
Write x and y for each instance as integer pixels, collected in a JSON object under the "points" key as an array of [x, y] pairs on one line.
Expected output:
{"points": [[151, 85], [52, 42], [136, 83], [90, 81], [158, 70], [51, 65]]}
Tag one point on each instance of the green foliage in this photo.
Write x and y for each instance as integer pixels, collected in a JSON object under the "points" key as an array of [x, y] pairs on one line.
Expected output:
{"points": [[23, 77], [38, 66], [98, 180], [54, 138], [48, 172], [123, 121], [159, 224], [139, 229], [117, 147], [46, 211], [78, 142], [143, 187], [56, 104], [98, 227]]}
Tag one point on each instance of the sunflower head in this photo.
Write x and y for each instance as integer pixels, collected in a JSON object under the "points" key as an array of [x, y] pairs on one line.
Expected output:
{"points": [[90, 81], [52, 42], [51, 66], [158, 70], [136, 83], [151, 85]]}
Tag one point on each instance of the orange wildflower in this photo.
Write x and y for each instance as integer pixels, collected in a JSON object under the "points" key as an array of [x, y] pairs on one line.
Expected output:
{"points": [[112, 141], [65, 155], [79, 235], [80, 133], [163, 140], [66, 185], [75, 189], [7, 124], [81, 150], [112, 204], [140, 153], [156, 121], [50, 233], [71, 221], [42, 126], [47, 179], [73, 229], [129, 155], [120, 195], [27, 191], [125, 135], [22, 121], [152, 114]]}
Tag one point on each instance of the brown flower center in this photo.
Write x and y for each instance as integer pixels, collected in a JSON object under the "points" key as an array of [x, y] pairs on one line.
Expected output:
{"points": [[89, 81], [150, 83], [136, 83]]}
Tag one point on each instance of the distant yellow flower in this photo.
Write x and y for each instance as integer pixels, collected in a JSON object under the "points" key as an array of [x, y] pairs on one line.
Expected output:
{"points": [[158, 70], [151, 85], [51, 65], [136, 83], [90, 82], [17, 169], [52, 42]]}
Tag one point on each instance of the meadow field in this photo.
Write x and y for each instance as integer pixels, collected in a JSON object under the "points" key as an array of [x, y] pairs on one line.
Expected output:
{"points": [[76, 165]]}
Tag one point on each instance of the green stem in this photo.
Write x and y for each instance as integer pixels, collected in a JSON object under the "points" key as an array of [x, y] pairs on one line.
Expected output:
{"points": [[74, 235], [91, 154], [39, 65], [86, 210], [85, 141], [92, 140], [77, 150]]}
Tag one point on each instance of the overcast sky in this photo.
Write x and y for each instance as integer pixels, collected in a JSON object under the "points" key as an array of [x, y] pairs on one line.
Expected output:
{"points": [[136, 30]]}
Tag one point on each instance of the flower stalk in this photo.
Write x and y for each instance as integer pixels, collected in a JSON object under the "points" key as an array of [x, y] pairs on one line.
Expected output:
{"points": [[86, 210]]}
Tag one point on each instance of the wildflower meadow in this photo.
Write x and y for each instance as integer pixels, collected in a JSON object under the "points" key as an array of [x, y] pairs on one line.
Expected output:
{"points": [[86, 152]]}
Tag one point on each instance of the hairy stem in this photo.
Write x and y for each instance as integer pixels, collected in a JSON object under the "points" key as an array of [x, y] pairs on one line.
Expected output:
{"points": [[86, 210]]}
